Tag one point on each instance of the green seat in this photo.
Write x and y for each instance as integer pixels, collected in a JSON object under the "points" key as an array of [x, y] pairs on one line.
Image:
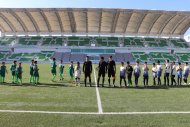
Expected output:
{"points": [[2, 55], [14, 56], [184, 57], [59, 41], [140, 56], [149, 39], [25, 59], [101, 42], [72, 43], [84, 42], [127, 42]]}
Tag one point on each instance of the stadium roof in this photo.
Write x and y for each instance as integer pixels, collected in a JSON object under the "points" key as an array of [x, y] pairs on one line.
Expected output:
{"points": [[93, 21]]}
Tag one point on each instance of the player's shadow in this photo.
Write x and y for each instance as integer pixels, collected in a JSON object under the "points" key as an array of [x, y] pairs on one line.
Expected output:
{"points": [[68, 84], [147, 87], [38, 85]]}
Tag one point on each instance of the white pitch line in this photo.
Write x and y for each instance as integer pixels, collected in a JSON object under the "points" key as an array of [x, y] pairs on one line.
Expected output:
{"points": [[146, 113], [100, 111], [48, 112], [95, 113]]}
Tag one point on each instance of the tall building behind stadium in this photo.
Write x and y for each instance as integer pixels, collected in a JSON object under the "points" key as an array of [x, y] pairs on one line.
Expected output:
{"points": [[70, 34]]}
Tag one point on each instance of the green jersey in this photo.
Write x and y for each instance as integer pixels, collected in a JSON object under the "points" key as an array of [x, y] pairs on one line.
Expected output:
{"points": [[36, 71], [13, 68], [2, 71], [71, 70], [19, 70], [61, 68], [53, 65], [31, 69]]}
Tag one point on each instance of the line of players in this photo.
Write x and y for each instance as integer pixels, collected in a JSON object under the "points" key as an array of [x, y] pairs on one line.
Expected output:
{"points": [[170, 71], [17, 72], [103, 68]]}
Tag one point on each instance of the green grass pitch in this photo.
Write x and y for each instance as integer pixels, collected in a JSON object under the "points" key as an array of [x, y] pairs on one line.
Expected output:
{"points": [[66, 97]]}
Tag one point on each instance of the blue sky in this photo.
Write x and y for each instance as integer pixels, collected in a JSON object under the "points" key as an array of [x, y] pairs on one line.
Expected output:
{"points": [[175, 5], [132, 4]]}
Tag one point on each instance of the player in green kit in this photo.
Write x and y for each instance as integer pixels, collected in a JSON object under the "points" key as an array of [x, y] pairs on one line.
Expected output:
{"points": [[53, 69], [36, 73], [71, 71], [32, 72], [19, 72], [61, 69], [13, 70], [3, 70]]}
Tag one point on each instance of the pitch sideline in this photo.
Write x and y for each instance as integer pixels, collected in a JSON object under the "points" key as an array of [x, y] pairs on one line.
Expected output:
{"points": [[95, 113]]}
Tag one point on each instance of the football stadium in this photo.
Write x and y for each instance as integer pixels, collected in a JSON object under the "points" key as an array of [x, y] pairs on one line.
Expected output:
{"points": [[99, 67]]}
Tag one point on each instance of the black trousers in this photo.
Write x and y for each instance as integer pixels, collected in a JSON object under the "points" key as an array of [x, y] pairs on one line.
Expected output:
{"points": [[101, 74], [166, 78], [185, 79], [173, 80], [154, 81], [129, 76], [145, 80], [136, 80], [123, 78], [85, 78]]}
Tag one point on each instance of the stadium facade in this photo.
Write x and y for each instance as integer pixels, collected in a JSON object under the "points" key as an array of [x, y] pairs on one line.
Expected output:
{"points": [[73, 33]]}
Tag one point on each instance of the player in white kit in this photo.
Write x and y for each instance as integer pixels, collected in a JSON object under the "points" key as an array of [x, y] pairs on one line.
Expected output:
{"points": [[173, 73], [159, 72], [123, 74], [77, 72]]}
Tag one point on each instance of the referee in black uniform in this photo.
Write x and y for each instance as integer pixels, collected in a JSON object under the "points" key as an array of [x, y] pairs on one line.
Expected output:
{"points": [[87, 69], [111, 70], [102, 70]]}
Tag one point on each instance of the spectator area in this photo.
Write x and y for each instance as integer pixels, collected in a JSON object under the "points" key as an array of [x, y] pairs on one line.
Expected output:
{"points": [[97, 41]]}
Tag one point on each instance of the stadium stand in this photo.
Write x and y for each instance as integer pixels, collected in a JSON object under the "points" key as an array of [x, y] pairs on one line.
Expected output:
{"points": [[124, 57], [183, 57], [162, 56], [153, 56], [6, 40], [154, 42], [179, 43], [141, 56], [78, 41], [3, 55], [26, 57], [29, 40], [92, 51], [128, 57], [107, 41], [99, 41], [137, 42], [77, 57], [66, 56], [52, 41], [45, 56]]}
